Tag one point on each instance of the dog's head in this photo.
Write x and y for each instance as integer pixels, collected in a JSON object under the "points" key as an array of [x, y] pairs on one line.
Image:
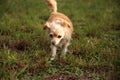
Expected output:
{"points": [[56, 32]]}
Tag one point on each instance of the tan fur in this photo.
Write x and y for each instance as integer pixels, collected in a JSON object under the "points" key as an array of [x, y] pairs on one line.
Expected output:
{"points": [[65, 21], [58, 24]]}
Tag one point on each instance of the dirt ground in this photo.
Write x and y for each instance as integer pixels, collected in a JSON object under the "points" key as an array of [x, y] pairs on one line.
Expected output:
{"points": [[66, 76], [62, 76]]}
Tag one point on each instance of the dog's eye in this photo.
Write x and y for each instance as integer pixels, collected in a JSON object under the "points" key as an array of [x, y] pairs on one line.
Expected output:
{"points": [[59, 36], [51, 35]]}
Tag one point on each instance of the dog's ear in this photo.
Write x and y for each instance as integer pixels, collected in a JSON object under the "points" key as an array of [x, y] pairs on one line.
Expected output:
{"points": [[63, 23], [46, 26], [66, 24]]}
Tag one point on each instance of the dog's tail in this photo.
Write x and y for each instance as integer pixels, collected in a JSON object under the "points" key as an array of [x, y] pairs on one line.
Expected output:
{"points": [[52, 5]]}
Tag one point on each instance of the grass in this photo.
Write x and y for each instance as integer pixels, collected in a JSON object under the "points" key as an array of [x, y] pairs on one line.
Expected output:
{"points": [[94, 50]]}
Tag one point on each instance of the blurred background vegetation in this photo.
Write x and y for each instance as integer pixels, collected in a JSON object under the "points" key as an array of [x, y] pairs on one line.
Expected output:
{"points": [[94, 53]]}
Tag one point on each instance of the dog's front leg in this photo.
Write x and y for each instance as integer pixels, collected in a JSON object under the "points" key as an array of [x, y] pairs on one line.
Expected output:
{"points": [[65, 48], [53, 49]]}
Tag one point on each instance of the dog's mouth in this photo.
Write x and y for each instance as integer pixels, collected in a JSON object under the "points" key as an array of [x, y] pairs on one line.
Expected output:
{"points": [[54, 44], [59, 44]]}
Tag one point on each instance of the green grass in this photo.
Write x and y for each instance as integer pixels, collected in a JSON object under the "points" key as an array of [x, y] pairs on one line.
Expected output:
{"points": [[94, 50]]}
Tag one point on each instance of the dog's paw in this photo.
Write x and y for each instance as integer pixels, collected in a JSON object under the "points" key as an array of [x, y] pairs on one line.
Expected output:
{"points": [[52, 58]]}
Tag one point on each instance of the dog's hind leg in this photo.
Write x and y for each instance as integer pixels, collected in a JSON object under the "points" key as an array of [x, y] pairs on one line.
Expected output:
{"points": [[65, 48]]}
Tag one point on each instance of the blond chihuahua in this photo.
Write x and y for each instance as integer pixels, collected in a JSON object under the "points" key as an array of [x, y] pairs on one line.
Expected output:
{"points": [[60, 29]]}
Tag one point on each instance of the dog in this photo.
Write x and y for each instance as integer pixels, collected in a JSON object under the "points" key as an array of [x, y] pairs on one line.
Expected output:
{"points": [[59, 28]]}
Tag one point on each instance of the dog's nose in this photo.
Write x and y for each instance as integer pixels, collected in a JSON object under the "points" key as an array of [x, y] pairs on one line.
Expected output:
{"points": [[53, 43]]}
